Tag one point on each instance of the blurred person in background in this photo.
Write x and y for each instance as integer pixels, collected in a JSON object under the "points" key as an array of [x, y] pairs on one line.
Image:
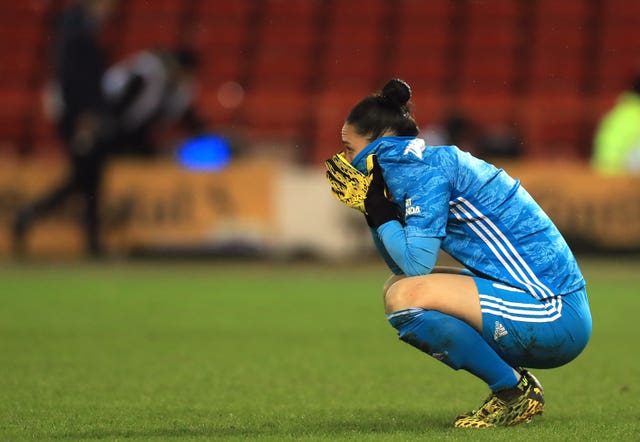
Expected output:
{"points": [[617, 138], [520, 300], [456, 129], [107, 111], [500, 141], [79, 64], [146, 92], [139, 96]]}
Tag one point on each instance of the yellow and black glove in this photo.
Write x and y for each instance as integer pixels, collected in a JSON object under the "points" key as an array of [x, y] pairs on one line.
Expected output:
{"points": [[367, 193], [348, 184]]}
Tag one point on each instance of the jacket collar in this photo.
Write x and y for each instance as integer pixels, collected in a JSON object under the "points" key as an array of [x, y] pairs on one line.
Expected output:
{"points": [[378, 147]]}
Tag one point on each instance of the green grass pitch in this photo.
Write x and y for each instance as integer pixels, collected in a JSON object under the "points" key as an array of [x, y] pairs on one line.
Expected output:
{"points": [[214, 351]]}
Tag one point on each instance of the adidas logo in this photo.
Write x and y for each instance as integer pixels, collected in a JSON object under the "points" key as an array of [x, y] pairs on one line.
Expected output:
{"points": [[416, 147], [499, 331]]}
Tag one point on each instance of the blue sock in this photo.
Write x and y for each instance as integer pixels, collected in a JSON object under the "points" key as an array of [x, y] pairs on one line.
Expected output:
{"points": [[455, 343]]}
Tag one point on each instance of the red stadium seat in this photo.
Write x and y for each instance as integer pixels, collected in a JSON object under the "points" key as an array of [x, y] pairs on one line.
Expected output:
{"points": [[561, 73], [423, 73], [618, 56], [487, 72], [420, 11], [284, 54], [492, 37], [209, 106], [421, 54], [15, 113], [558, 54], [18, 68], [353, 12], [295, 9], [352, 57], [329, 113], [489, 57], [14, 33], [552, 123], [571, 11], [621, 11], [147, 8], [224, 9], [23, 12], [150, 34], [496, 12], [275, 113], [294, 54], [488, 109]]}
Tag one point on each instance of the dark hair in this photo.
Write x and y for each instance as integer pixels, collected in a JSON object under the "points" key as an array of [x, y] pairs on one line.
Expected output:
{"points": [[385, 111]]}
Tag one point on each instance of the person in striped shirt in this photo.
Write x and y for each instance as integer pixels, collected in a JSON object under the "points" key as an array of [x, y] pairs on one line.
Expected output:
{"points": [[520, 299]]}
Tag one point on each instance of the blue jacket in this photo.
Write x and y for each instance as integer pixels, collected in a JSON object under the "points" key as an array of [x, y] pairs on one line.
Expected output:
{"points": [[474, 211]]}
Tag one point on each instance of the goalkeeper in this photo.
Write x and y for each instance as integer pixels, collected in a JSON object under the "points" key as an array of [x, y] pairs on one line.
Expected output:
{"points": [[519, 301]]}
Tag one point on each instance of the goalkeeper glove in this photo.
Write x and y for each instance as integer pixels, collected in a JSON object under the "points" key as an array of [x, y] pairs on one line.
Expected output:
{"points": [[348, 184], [367, 193]]}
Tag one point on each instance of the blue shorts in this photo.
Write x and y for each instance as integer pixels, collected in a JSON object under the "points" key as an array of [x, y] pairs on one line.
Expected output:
{"points": [[529, 332]]}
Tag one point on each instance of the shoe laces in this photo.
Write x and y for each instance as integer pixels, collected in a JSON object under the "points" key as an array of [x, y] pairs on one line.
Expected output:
{"points": [[490, 406]]}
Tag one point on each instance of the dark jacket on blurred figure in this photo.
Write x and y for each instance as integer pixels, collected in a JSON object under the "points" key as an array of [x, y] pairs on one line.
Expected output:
{"points": [[147, 91], [79, 64]]}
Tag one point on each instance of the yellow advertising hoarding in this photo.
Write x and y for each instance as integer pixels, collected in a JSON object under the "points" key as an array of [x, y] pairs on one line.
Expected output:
{"points": [[158, 205], [591, 210], [145, 206]]}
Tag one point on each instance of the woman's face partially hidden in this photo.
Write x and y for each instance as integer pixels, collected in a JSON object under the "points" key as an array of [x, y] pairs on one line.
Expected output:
{"points": [[353, 142]]}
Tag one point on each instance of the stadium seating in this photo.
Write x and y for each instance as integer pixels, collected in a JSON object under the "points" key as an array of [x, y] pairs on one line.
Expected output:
{"points": [[550, 67], [618, 46]]}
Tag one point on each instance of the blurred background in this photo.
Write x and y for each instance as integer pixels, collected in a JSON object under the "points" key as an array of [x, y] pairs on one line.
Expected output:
{"points": [[526, 84]]}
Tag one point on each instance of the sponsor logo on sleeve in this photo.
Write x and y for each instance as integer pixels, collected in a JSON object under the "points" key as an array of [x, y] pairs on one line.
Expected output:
{"points": [[409, 208]]}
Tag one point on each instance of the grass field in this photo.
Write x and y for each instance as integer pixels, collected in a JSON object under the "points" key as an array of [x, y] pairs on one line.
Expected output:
{"points": [[212, 351]]}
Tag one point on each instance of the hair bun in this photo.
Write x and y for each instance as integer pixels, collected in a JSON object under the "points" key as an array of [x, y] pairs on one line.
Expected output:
{"points": [[396, 92]]}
